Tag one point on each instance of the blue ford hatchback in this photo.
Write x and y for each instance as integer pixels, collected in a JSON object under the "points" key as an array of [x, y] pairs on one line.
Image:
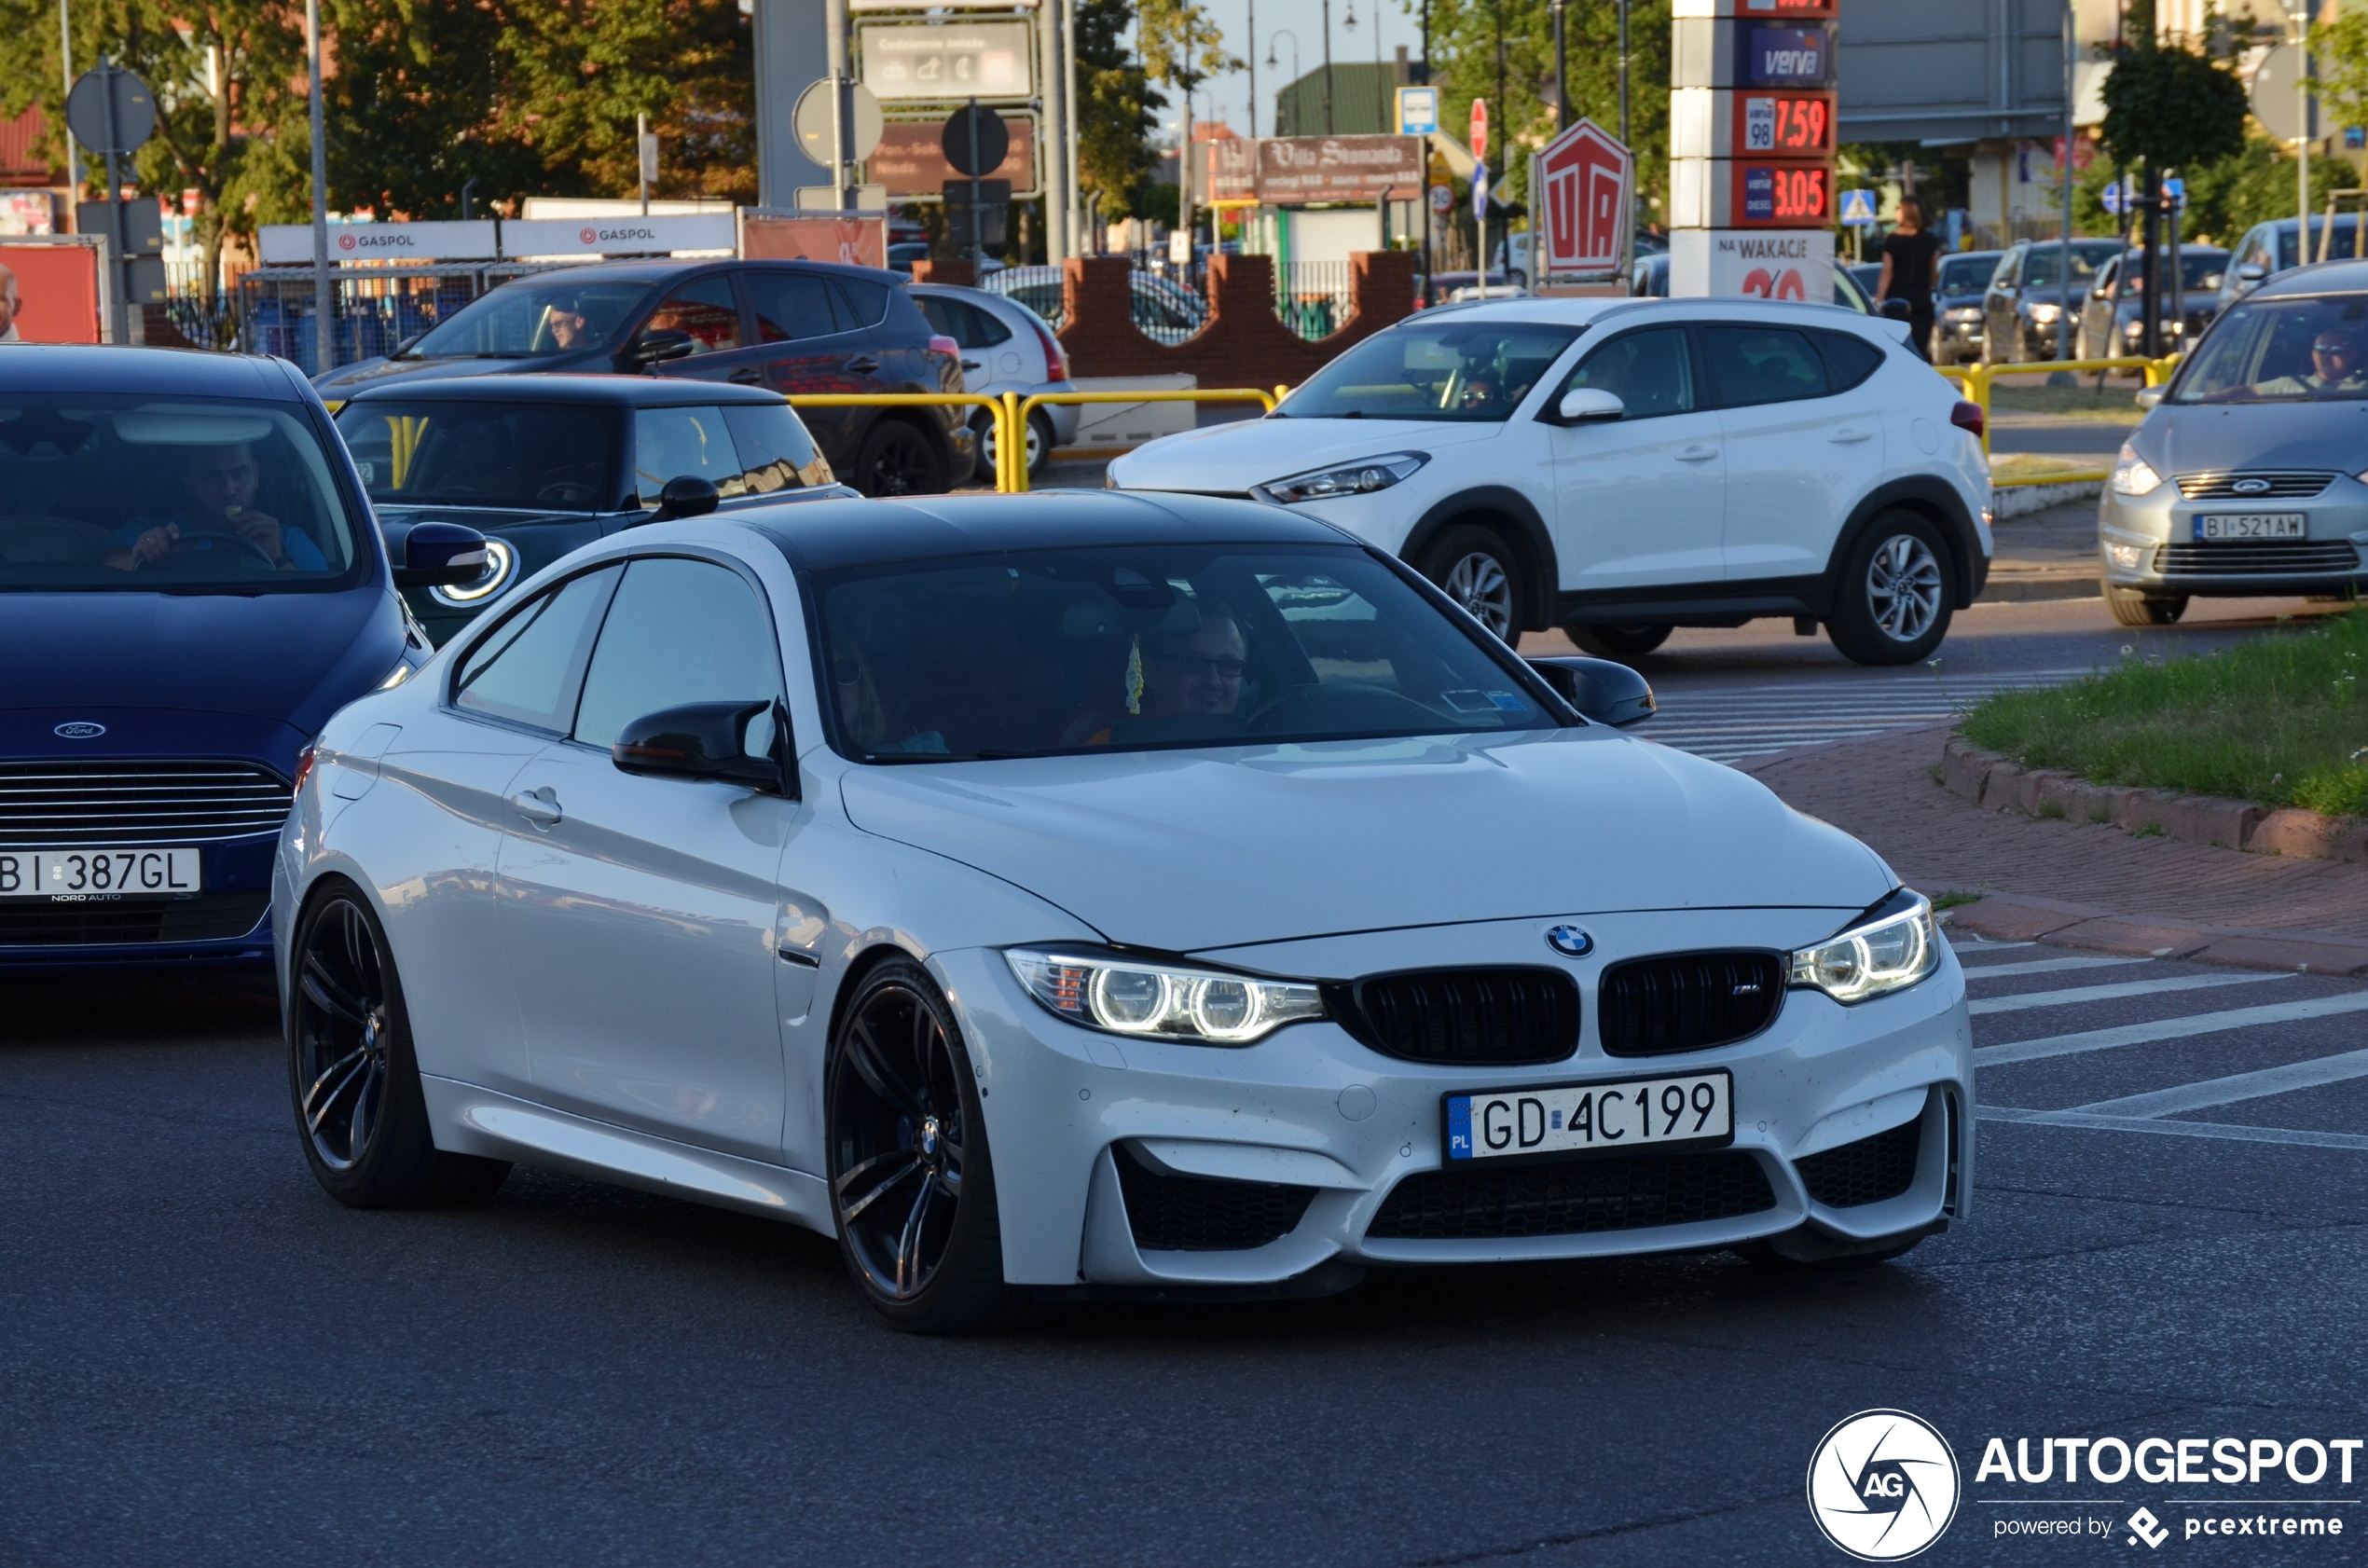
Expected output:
{"points": [[190, 583]]}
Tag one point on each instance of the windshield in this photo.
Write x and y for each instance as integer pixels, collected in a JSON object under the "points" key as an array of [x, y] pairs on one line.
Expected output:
{"points": [[2342, 245], [546, 456], [534, 318], [1133, 649], [1963, 273], [2039, 266], [2199, 271], [2283, 349], [1441, 369], [189, 497]]}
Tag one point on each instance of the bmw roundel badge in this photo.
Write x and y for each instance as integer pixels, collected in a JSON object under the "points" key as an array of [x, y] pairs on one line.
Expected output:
{"points": [[81, 729], [1570, 941]]}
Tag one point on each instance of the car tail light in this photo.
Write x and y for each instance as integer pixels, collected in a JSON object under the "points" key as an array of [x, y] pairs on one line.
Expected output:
{"points": [[1056, 358], [304, 760], [1966, 416], [946, 346]]}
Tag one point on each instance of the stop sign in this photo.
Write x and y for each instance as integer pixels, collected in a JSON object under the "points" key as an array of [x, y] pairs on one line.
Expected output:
{"points": [[1584, 179], [1480, 127]]}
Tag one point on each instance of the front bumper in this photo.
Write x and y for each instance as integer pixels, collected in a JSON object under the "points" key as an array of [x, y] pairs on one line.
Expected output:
{"points": [[1312, 1110], [2148, 543], [229, 924]]}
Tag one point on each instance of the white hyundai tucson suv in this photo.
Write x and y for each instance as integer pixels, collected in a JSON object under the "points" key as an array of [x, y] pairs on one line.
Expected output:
{"points": [[1621, 468]]}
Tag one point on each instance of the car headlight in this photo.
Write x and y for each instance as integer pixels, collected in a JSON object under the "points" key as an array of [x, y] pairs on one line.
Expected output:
{"points": [[2126, 557], [1356, 478], [500, 569], [1965, 313], [1160, 1001], [2045, 314], [1889, 949], [2132, 474]]}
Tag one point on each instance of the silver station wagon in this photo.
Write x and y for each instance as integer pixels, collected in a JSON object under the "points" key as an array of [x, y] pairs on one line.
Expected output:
{"points": [[2247, 478]]}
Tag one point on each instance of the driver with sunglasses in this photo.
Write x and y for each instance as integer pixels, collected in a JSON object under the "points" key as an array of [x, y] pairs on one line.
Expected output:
{"points": [[220, 484], [2335, 370]]}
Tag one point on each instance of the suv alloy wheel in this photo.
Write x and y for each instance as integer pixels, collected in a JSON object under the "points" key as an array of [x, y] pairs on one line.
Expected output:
{"points": [[1477, 570], [1891, 604]]}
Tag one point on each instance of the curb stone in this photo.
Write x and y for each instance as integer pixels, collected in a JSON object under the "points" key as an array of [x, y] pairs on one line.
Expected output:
{"points": [[2019, 918]]}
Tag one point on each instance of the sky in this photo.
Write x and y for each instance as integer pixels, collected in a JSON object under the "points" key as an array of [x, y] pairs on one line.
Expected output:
{"points": [[1278, 20]]}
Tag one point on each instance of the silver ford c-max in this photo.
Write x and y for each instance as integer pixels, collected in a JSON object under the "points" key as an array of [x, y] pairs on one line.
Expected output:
{"points": [[2249, 476]]}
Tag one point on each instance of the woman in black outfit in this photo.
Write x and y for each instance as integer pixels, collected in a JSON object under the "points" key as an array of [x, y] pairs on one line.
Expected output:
{"points": [[1911, 271]]}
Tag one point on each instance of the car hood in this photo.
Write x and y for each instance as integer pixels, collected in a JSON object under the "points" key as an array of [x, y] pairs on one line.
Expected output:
{"points": [[1188, 851], [1228, 459], [2185, 438], [271, 659], [346, 380]]}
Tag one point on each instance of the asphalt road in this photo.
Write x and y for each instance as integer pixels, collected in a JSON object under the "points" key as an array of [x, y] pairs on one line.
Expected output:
{"points": [[207, 1361]]}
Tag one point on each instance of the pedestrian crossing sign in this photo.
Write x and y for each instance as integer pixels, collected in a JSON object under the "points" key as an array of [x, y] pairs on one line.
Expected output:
{"points": [[1858, 208]]}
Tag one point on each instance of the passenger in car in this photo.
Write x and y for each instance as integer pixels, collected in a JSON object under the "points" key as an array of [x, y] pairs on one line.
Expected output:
{"points": [[220, 483]]}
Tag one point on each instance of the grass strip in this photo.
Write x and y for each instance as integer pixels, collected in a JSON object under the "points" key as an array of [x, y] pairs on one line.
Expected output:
{"points": [[2281, 720]]}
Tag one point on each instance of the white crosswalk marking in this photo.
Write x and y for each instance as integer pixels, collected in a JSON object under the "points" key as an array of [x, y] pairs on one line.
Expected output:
{"points": [[2233, 1132], [1726, 722], [2024, 1001], [2041, 965], [2237, 1086], [2169, 1028]]}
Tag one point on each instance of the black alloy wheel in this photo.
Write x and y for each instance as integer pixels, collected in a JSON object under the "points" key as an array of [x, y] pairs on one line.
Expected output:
{"points": [[911, 1189], [351, 1074], [897, 460]]}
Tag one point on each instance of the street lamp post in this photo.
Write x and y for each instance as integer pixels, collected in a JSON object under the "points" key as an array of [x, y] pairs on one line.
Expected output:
{"points": [[324, 291], [1562, 73], [1282, 33], [1327, 67], [1253, 63]]}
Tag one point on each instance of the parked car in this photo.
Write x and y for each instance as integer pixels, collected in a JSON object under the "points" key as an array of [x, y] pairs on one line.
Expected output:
{"points": [[789, 326], [560, 462], [189, 586], [1957, 306], [2111, 321], [1621, 468], [1867, 275], [2242, 479], [1165, 309], [1087, 904], [2270, 248], [905, 253], [1006, 347], [2025, 299]]}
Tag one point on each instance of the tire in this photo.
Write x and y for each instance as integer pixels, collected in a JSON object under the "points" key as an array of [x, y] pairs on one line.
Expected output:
{"points": [[2131, 607], [1474, 566], [898, 459], [1619, 639], [1892, 603], [900, 1102], [353, 1079], [1040, 446]]}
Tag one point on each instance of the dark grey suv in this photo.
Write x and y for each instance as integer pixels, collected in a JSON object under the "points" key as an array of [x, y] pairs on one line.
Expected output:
{"points": [[2246, 476]]}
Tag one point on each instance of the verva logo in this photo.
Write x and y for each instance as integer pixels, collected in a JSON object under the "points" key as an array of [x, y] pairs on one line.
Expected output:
{"points": [[345, 242]]}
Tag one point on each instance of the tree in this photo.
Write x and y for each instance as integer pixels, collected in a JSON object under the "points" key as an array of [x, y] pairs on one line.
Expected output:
{"points": [[2169, 104], [1116, 110]]}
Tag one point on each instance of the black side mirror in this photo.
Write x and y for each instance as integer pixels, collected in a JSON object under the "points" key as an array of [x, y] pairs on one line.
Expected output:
{"points": [[708, 740], [441, 555], [660, 344], [686, 495], [1604, 691], [1893, 310]]}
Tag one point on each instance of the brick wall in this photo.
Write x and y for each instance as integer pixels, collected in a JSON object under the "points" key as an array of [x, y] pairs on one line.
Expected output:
{"points": [[1244, 344], [959, 273]]}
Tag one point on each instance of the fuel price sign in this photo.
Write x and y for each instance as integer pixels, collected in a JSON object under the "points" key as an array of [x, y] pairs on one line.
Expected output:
{"points": [[1785, 124]]}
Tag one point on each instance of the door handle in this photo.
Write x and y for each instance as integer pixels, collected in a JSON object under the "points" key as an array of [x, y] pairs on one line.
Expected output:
{"points": [[540, 807], [1696, 454], [863, 364], [748, 375], [1847, 437], [971, 365]]}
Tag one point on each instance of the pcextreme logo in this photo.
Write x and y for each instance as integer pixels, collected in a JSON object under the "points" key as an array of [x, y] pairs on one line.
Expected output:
{"points": [[1883, 1485]]}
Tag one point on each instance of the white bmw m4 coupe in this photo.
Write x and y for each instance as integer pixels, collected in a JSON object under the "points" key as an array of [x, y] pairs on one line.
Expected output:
{"points": [[1101, 894]]}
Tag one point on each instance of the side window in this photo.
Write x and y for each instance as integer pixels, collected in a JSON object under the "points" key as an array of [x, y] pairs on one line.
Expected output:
{"points": [[777, 452], [705, 310], [790, 305], [1651, 372], [986, 327], [681, 631], [1757, 365], [670, 442], [943, 316], [1850, 359], [862, 301], [2004, 277], [529, 671]]}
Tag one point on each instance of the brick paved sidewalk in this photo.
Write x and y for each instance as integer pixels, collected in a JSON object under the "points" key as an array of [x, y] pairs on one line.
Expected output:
{"points": [[2090, 885]]}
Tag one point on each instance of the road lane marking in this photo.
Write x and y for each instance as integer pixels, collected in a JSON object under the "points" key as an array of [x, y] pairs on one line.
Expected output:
{"points": [[2169, 1028], [2235, 1086], [2039, 965], [2022, 1001], [2227, 1130]]}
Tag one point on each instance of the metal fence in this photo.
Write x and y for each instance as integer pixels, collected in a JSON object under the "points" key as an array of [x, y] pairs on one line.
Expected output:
{"points": [[376, 307], [1312, 297]]}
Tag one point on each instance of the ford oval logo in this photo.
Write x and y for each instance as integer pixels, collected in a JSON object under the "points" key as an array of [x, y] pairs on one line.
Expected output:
{"points": [[2249, 487], [1570, 941], [81, 729]]}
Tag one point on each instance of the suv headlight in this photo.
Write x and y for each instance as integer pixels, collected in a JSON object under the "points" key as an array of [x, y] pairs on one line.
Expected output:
{"points": [[501, 570], [1890, 948], [2132, 474], [1162, 1002], [1356, 478], [2045, 314]]}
